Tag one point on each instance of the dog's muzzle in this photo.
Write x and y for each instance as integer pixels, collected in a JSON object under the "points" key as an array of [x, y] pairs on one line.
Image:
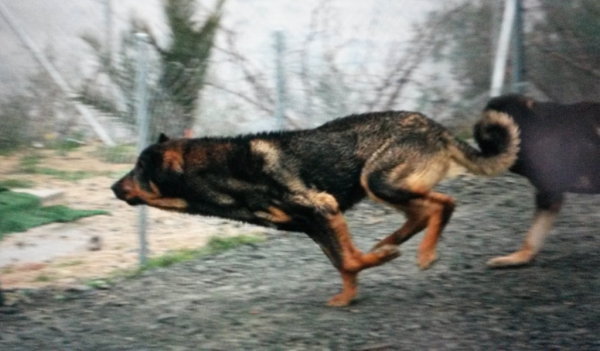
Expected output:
{"points": [[121, 191]]}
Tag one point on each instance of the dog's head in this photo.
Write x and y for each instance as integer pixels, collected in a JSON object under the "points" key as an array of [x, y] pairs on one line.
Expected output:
{"points": [[156, 178], [518, 106]]}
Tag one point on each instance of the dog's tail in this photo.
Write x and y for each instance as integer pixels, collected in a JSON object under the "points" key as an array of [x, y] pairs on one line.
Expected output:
{"points": [[497, 135]]}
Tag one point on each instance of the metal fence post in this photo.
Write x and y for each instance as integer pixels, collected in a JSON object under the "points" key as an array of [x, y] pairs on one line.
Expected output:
{"points": [[280, 79], [503, 48], [518, 53], [141, 110], [108, 28]]}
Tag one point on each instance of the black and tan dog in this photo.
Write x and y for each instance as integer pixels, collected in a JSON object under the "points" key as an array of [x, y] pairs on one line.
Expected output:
{"points": [[560, 153], [304, 180]]}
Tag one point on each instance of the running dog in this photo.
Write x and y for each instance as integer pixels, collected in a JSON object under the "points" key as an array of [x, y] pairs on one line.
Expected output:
{"points": [[304, 180], [559, 153]]}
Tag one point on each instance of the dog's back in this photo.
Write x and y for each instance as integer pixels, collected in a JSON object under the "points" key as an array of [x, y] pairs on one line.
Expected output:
{"points": [[560, 143]]}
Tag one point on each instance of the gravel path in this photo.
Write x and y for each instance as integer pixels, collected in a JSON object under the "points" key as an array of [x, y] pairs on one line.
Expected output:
{"points": [[271, 296]]}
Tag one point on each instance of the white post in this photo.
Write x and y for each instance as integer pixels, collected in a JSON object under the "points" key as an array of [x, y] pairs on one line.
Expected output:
{"points": [[280, 79], [518, 53], [108, 35], [141, 110], [503, 46]]}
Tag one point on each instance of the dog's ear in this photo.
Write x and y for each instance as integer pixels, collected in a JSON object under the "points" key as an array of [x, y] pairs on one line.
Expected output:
{"points": [[162, 138]]}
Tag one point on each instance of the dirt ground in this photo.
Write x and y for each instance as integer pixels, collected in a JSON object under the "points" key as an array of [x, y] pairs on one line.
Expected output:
{"points": [[271, 296]]}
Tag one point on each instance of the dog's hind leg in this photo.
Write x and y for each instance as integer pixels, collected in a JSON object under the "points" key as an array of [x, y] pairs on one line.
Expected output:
{"points": [[424, 209], [329, 229], [548, 206], [416, 220], [440, 210]]}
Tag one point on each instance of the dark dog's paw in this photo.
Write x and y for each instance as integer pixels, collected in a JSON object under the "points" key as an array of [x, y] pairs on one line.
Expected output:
{"points": [[514, 260]]}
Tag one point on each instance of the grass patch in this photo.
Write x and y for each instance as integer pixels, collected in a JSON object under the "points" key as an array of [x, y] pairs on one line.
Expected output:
{"points": [[7, 152], [43, 278], [16, 183], [70, 263], [98, 283], [117, 154], [30, 166], [64, 146], [30, 162], [67, 175], [214, 246]]}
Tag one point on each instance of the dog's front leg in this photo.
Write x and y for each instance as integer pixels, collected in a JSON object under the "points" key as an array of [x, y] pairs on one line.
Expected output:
{"points": [[547, 207], [329, 229]]}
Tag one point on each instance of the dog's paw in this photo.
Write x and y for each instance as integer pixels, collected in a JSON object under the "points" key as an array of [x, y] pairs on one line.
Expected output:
{"points": [[426, 259], [516, 259], [387, 252], [340, 300]]}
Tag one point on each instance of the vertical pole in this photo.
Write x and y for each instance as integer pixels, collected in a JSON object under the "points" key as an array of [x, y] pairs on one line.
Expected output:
{"points": [[502, 51], [141, 109], [280, 79], [518, 55], [496, 23], [108, 35]]}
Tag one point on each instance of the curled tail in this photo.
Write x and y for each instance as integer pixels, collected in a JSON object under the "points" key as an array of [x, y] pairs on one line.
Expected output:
{"points": [[497, 135]]}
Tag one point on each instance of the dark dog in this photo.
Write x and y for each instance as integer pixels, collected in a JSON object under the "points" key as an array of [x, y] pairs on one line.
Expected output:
{"points": [[560, 153], [304, 180]]}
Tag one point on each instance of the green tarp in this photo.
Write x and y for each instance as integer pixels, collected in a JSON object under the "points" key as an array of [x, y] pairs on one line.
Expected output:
{"points": [[19, 212]]}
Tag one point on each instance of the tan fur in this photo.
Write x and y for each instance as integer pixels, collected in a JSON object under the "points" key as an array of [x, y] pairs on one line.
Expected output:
{"points": [[490, 166]]}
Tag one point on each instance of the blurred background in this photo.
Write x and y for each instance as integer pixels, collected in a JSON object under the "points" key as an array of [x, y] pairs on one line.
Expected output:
{"points": [[68, 68]]}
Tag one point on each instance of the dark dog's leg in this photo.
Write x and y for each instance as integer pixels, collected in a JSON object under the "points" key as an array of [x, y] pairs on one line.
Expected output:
{"points": [[330, 231], [547, 207], [424, 209]]}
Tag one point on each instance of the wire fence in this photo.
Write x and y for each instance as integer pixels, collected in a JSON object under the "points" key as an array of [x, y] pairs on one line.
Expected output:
{"points": [[71, 70], [322, 74]]}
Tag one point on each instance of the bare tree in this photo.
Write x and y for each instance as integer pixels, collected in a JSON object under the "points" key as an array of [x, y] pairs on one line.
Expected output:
{"points": [[561, 47], [178, 71], [321, 84]]}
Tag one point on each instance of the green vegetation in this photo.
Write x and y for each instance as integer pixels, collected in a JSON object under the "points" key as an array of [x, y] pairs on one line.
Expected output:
{"points": [[98, 283], [117, 154], [67, 175], [42, 278], [214, 246], [561, 46], [70, 263], [30, 164], [19, 212], [16, 183], [64, 146], [14, 114], [180, 69]]}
